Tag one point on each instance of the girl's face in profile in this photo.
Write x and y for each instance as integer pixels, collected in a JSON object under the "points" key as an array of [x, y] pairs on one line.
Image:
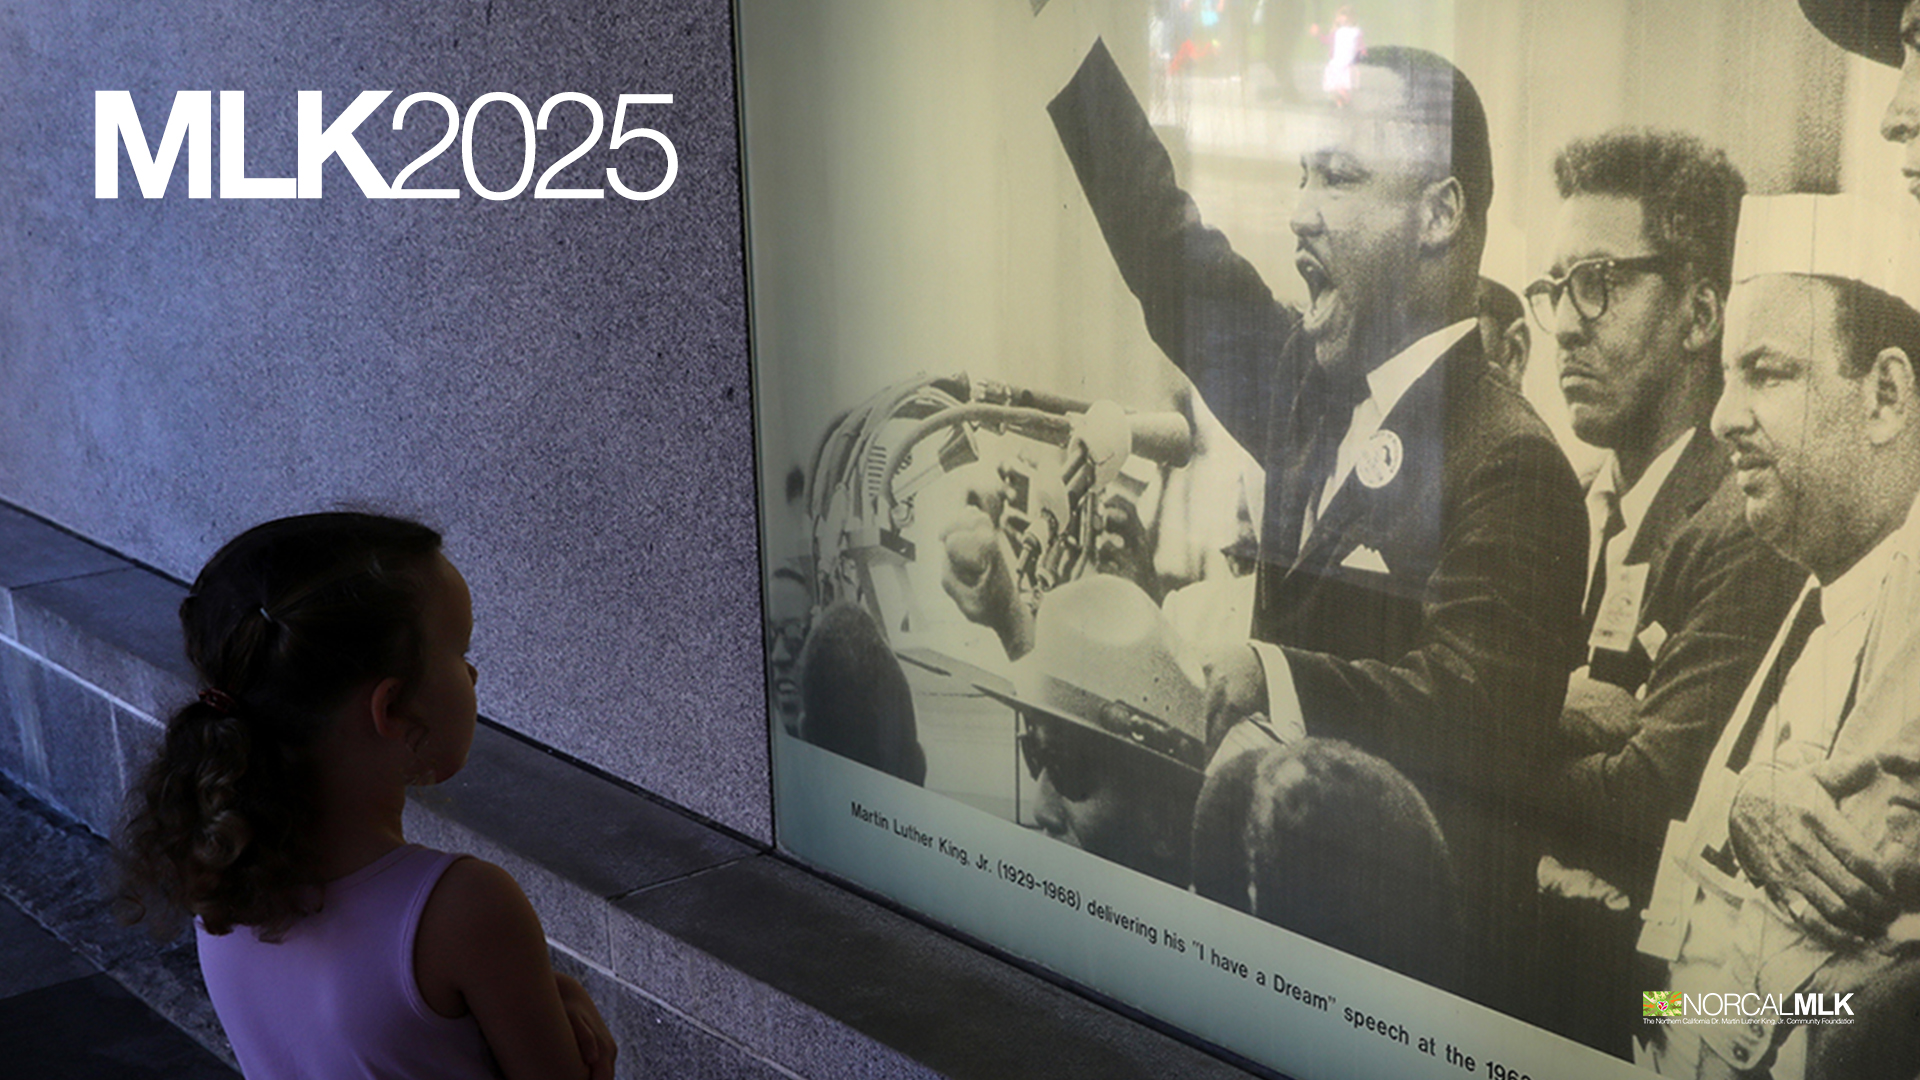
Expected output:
{"points": [[442, 698]]}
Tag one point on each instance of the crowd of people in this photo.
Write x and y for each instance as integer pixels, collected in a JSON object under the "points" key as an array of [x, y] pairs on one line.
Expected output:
{"points": [[1541, 740]]}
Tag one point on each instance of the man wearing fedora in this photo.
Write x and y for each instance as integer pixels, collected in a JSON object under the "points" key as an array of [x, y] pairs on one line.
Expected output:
{"points": [[1884, 31], [1791, 873], [1421, 557], [1112, 727]]}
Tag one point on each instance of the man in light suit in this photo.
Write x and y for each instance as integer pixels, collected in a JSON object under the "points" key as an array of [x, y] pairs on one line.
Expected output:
{"points": [[1682, 597], [1421, 556], [1774, 883], [1828, 843]]}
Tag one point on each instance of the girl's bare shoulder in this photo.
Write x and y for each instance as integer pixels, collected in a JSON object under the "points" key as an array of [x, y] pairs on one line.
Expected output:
{"points": [[473, 902]]}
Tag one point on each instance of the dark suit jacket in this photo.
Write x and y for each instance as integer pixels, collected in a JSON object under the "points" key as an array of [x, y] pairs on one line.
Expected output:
{"points": [[1719, 593], [1452, 665]]}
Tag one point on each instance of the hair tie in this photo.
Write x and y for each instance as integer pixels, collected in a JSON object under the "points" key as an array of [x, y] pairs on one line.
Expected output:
{"points": [[219, 701]]}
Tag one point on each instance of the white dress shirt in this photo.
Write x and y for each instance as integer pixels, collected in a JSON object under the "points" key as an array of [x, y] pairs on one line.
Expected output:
{"points": [[1720, 931], [1634, 504]]}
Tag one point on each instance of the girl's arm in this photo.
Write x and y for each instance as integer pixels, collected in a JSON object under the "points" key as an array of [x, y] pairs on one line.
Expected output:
{"points": [[480, 949]]}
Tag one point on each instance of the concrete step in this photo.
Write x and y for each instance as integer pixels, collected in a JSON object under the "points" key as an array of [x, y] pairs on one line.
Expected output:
{"points": [[82, 996]]}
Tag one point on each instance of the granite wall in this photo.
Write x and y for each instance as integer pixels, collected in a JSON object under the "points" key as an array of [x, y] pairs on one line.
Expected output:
{"points": [[559, 385]]}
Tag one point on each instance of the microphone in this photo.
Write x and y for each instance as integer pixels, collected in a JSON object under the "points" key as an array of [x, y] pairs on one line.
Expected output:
{"points": [[1111, 434]]}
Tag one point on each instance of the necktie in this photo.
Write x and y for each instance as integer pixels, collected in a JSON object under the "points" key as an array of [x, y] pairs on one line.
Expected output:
{"points": [[1805, 622], [1611, 527], [1321, 415]]}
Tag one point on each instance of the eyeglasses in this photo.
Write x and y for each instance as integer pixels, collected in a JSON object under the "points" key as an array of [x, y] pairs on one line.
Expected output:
{"points": [[1588, 283], [1078, 758], [787, 638], [1060, 751]]}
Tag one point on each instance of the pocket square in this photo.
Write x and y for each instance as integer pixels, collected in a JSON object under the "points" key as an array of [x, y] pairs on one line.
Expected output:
{"points": [[1365, 558], [1652, 637]]}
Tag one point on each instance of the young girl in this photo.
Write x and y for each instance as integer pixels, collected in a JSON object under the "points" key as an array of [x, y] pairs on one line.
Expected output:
{"points": [[333, 650]]}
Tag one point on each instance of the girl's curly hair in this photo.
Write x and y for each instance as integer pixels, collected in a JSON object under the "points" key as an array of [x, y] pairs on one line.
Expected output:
{"points": [[283, 623]]}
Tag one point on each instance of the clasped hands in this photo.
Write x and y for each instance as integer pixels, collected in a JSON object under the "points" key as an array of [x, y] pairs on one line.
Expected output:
{"points": [[1794, 842]]}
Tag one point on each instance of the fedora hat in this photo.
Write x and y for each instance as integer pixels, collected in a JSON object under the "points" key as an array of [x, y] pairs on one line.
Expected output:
{"points": [[1869, 28], [1104, 660]]}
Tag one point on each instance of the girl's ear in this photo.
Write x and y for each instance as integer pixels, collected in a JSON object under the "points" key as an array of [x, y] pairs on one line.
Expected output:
{"points": [[384, 703]]}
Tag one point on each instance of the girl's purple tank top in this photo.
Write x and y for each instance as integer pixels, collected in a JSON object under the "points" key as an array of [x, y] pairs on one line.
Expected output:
{"points": [[337, 1000]]}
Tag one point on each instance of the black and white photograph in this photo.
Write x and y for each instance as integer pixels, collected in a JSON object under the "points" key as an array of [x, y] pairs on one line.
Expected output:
{"points": [[1422, 493]]}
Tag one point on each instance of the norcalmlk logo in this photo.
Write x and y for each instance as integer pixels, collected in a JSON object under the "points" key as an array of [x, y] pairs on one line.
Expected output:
{"points": [[1747, 1008], [1662, 1003]]}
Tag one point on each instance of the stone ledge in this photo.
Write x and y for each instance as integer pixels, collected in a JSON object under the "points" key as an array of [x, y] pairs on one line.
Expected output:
{"points": [[118, 630], [951, 1007], [795, 969], [37, 552], [711, 955], [89, 658]]}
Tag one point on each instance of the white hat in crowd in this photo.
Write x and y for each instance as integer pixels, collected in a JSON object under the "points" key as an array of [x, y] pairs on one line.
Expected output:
{"points": [[1843, 236], [1105, 658]]}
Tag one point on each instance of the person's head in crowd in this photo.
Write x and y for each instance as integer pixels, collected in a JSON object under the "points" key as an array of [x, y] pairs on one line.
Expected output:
{"points": [[854, 697], [1391, 217], [1635, 298], [1881, 796], [789, 604], [1111, 727], [1334, 843], [1819, 412], [1879, 1041], [1503, 331], [1110, 797], [1902, 119], [1886, 32]]}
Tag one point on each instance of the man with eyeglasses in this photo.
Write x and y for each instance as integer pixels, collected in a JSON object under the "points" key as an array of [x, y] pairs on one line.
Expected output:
{"points": [[1682, 598], [1420, 563]]}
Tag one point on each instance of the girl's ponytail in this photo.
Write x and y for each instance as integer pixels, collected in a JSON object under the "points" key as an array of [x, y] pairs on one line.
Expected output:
{"points": [[218, 827], [221, 757], [283, 624]]}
